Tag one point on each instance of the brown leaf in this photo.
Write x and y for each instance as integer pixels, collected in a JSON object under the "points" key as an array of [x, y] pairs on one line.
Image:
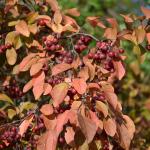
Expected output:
{"points": [[69, 135], [119, 68], [25, 124], [28, 86], [100, 106], [59, 92], [11, 56], [22, 28], [47, 109], [73, 12], [110, 126], [88, 127], [57, 17], [59, 68], [35, 68], [146, 12], [80, 85], [84, 73]]}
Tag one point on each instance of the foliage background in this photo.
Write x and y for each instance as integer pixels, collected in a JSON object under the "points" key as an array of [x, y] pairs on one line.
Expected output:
{"points": [[134, 90]]}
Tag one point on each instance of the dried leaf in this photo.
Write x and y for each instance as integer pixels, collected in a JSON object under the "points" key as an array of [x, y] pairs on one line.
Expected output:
{"points": [[22, 28], [59, 68], [59, 92], [47, 109], [11, 56], [80, 85], [110, 127]]}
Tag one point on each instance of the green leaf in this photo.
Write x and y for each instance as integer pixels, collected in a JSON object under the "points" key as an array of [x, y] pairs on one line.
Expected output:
{"points": [[5, 98]]}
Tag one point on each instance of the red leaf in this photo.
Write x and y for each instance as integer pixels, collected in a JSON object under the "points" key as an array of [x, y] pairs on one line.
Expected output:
{"points": [[146, 12], [69, 135], [80, 85], [119, 68], [36, 68], [59, 92], [47, 109], [60, 68], [110, 127], [25, 124], [88, 127]]}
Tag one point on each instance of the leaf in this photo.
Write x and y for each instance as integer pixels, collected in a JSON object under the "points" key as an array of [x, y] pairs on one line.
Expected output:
{"points": [[88, 127], [47, 141], [38, 90], [5, 98], [59, 68], [22, 28], [54, 4], [119, 68], [73, 12], [100, 106], [146, 12], [140, 35], [110, 33], [57, 17], [69, 135], [47, 89], [11, 56], [110, 126], [84, 73], [124, 136], [47, 109], [11, 113], [148, 37], [93, 86], [35, 68], [59, 92], [28, 86], [39, 79], [80, 85], [10, 37], [91, 67], [24, 125], [127, 18], [25, 61]]}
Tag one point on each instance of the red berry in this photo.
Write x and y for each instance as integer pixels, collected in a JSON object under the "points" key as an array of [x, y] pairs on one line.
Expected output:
{"points": [[8, 45], [41, 22], [90, 55], [111, 54], [44, 38], [121, 51]]}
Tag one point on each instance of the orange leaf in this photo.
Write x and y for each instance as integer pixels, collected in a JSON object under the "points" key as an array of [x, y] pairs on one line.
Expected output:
{"points": [[110, 127], [22, 28], [35, 68], [59, 93], [38, 90], [80, 85], [39, 78], [28, 86], [59, 68], [47, 109], [119, 68], [25, 124], [88, 127], [100, 106], [53, 4], [47, 88], [57, 17], [84, 73], [148, 37], [146, 12], [110, 33], [73, 12], [140, 35], [93, 86], [69, 135]]}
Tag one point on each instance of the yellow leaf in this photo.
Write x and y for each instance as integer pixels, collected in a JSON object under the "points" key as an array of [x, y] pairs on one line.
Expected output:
{"points": [[11, 56], [11, 113], [4, 97]]}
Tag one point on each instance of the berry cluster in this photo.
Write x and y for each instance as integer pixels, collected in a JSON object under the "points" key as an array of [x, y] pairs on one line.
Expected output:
{"points": [[11, 136], [82, 43], [51, 44], [55, 80], [65, 57], [4, 47], [13, 90], [32, 143], [42, 22]]}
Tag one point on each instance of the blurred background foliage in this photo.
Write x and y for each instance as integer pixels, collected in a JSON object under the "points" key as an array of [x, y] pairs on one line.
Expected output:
{"points": [[134, 90]]}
